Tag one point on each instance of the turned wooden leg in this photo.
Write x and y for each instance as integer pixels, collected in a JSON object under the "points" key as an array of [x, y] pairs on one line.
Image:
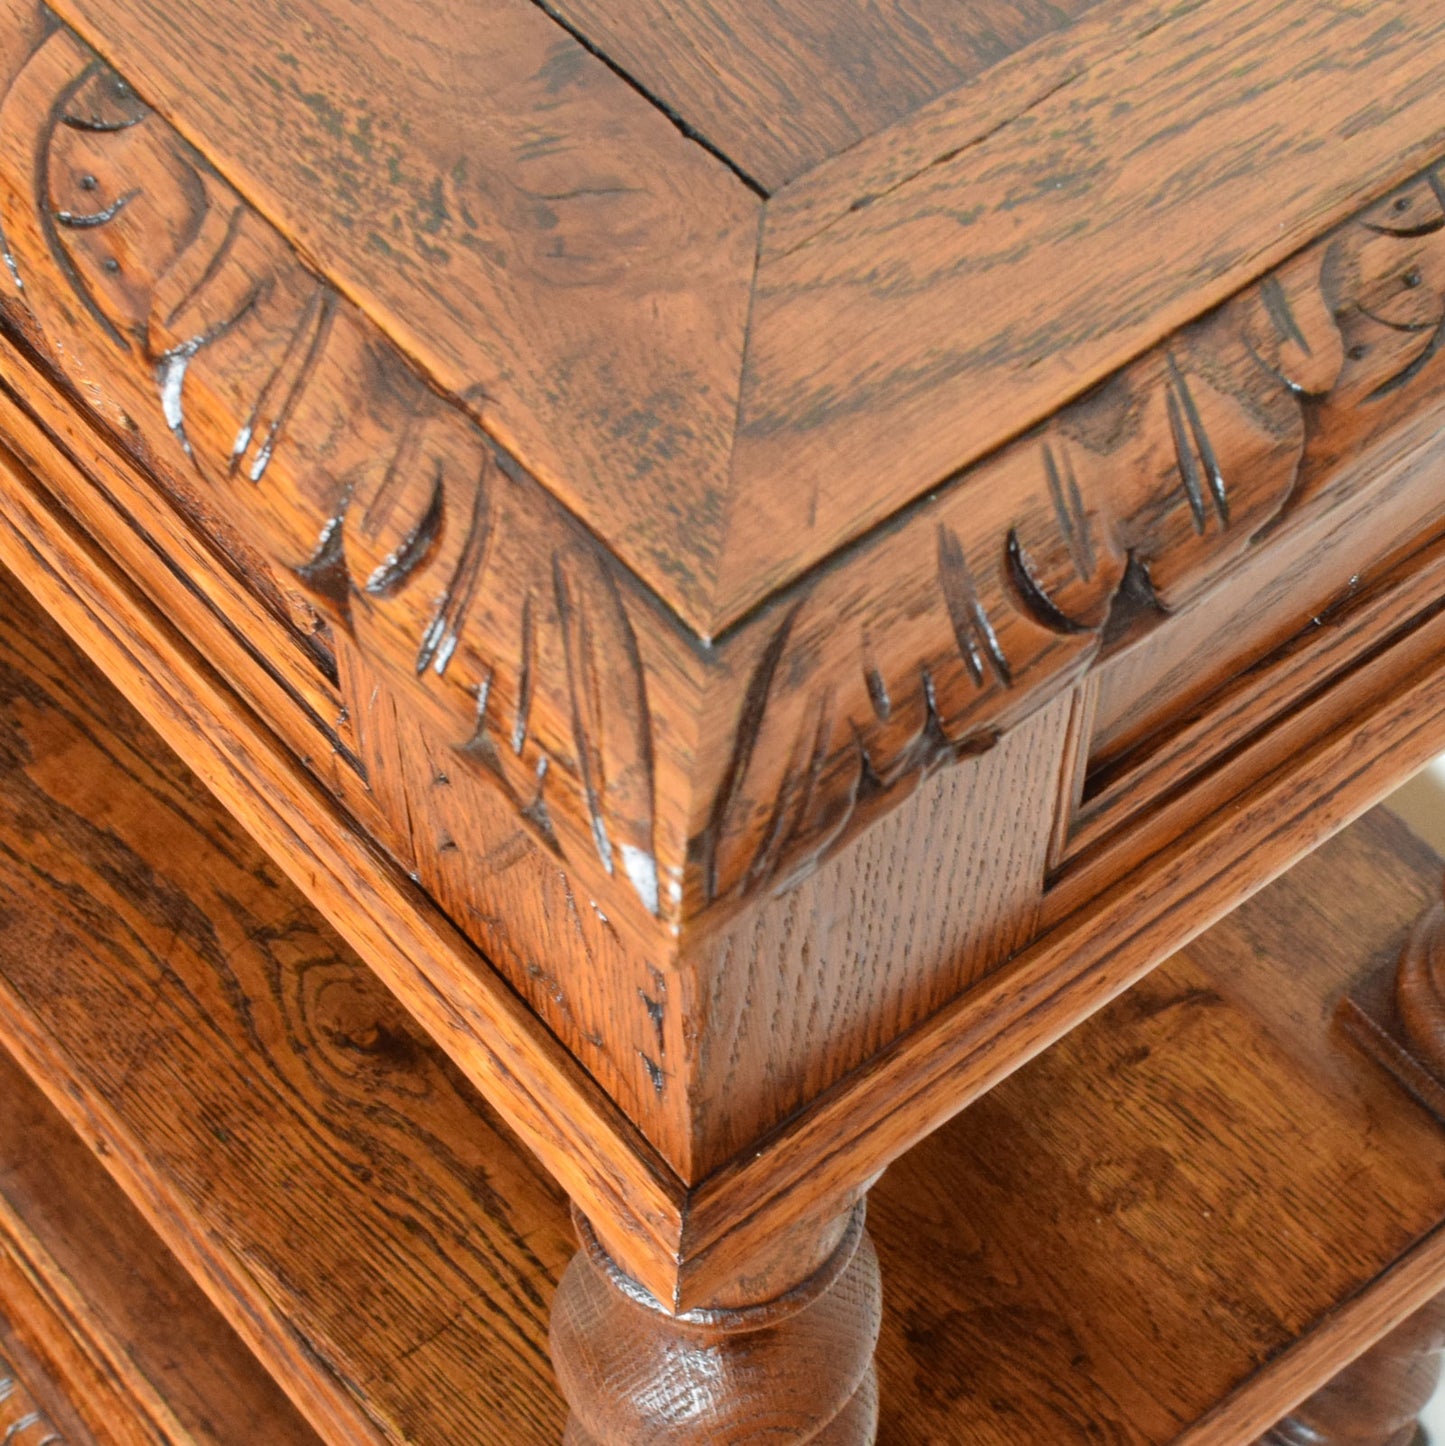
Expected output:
{"points": [[1398, 1015], [1377, 1401], [784, 1353], [1420, 989]]}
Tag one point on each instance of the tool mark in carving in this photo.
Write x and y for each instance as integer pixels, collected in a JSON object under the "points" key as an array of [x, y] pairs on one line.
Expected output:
{"points": [[94, 220], [1033, 596], [1199, 471], [1423, 228], [578, 680], [444, 632], [977, 642], [326, 572], [656, 1006], [536, 812], [877, 687], [403, 459], [655, 1073], [396, 569], [585, 695], [794, 799], [525, 677], [214, 265], [98, 125], [1069, 508], [1407, 374], [308, 341], [1281, 313], [1405, 328], [48, 225], [172, 365], [749, 728]]}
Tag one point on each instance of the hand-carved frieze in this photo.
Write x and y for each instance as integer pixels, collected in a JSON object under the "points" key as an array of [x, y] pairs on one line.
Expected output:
{"points": [[1001, 589], [170, 302], [683, 774]]}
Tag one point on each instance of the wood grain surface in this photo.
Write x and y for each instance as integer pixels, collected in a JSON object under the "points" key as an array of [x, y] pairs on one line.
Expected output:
{"points": [[890, 341], [232, 1062], [779, 88], [697, 776], [543, 241], [362, 1220], [1146, 1235], [130, 1339], [922, 329]]}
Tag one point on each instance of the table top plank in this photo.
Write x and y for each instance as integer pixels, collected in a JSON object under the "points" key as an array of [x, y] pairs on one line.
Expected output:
{"points": [[779, 87], [923, 329], [558, 253], [548, 246]]}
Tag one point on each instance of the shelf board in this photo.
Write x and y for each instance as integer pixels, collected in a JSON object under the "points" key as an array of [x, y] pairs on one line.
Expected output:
{"points": [[1169, 1228], [105, 1312]]}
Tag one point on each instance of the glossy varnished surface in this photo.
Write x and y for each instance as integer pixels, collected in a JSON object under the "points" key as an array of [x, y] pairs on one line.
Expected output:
{"points": [[292, 1136], [1209, 1136]]}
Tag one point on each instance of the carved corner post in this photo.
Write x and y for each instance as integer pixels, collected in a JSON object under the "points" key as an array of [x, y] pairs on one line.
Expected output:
{"points": [[782, 1352], [1376, 1401]]}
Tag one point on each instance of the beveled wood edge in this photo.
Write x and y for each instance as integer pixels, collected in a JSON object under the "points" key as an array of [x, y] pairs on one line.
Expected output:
{"points": [[565, 1119], [1308, 776], [797, 734], [1313, 1360], [147, 1415]]}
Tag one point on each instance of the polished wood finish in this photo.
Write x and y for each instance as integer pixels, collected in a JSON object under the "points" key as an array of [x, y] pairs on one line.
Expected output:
{"points": [[694, 555], [127, 1336], [1377, 1401], [1209, 1124], [184, 1010], [656, 944]]}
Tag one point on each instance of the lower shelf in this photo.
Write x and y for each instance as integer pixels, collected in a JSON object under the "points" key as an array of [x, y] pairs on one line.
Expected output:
{"points": [[1169, 1228]]}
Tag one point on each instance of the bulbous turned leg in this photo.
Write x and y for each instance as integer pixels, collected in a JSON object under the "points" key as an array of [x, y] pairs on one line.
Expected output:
{"points": [[1398, 1015], [779, 1356], [1420, 989], [1376, 1401]]}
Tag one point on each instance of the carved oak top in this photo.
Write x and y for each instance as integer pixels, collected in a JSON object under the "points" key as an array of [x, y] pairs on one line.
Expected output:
{"points": [[403, 413], [737, 283]]}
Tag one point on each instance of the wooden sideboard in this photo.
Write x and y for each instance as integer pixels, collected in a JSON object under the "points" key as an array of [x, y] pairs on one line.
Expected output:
{"points": [[759, 566]]}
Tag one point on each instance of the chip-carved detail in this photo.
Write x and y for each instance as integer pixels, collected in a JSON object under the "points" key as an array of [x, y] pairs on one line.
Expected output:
{"points": [[232, 371], [1128, 504]]}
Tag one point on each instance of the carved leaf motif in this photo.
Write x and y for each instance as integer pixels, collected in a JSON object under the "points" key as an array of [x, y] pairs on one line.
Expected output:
{"points": [[237, 377], [1168, 473], [611, 724]]}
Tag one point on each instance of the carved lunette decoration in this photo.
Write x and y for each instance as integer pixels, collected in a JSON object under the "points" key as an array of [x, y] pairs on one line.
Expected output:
{"points": [[223, 363]]}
